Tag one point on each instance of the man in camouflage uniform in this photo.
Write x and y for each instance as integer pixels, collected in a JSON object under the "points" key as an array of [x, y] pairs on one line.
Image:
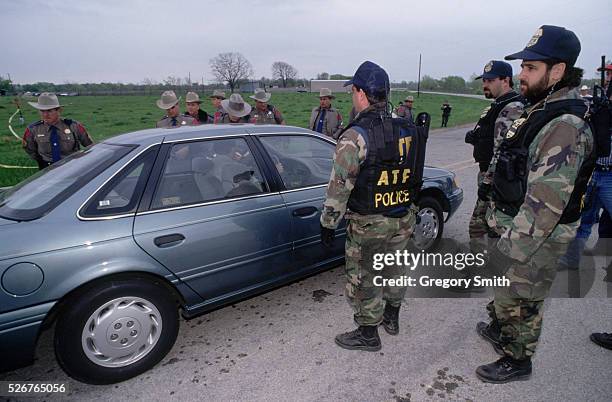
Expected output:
{"points": [[325, 119], [192, 101], [216, 99], [541, 172], [53, 138], [372, 227], [405, 109], [235, 110], [173, 119], [487, 135], [446, 112], [264, 113]]}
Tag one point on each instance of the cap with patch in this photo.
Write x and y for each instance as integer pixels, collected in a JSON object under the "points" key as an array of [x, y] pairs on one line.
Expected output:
{"points": [[550, 42], [495, 69], [371, 78]]}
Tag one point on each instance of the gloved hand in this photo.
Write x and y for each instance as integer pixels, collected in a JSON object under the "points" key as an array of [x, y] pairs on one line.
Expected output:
{"points": [[470, 138], [499, 263], [484, 191], [327, 236]]}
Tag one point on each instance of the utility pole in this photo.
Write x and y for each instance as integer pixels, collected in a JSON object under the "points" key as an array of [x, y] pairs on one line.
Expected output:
{"points": [[419, 80]]}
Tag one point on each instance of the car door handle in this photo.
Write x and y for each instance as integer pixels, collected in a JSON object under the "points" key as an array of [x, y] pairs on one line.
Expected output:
{"points": [[168, 240], [305, 212]]}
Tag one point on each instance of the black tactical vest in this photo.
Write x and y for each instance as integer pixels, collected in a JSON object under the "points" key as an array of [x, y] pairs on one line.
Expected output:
{"points": [[391, 175], [484, 132], [510, 179]]}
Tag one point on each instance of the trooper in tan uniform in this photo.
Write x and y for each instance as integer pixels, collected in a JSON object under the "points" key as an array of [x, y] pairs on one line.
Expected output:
{"points": [[216, 99], [235, 110], [405, 110], [325, 119], [172, 119], [192, 101], [264, 113], [53, 138]]}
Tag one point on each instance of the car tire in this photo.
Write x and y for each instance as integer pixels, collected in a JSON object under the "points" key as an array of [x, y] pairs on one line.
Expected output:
{"points": [[115, 331], [428, 232]]}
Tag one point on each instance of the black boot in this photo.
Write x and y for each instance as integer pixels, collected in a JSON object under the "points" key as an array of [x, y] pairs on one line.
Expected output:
{"points": [[490, 333], [604, 340], [390, 320], [363, 338], [505, 370]]}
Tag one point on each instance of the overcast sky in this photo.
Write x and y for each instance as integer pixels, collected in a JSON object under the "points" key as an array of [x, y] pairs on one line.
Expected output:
{"points": [[129, 40]]}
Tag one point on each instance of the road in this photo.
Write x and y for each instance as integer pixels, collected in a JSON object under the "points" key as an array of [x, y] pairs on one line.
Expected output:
{"points": [[279, 346]]}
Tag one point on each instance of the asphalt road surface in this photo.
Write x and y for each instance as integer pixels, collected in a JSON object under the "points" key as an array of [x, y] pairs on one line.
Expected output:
{"points": [[279, 346]]}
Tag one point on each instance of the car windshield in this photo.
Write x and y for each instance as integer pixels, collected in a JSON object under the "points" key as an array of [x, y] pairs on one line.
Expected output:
{"points": [[40, 193]]}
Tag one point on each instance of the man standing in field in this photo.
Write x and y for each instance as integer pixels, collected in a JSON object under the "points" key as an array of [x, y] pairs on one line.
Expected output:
{"points": [[216, 99], [169, 102], [446, 112], [192, 101], [264, 113], [53, 138], [405, 110], [236, 110], [325, 119]]}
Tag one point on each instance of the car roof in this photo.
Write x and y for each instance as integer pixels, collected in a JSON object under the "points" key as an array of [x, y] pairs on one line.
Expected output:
{"points": [[158, 135]]}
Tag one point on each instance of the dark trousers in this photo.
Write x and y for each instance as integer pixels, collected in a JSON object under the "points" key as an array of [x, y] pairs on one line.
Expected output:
{"points": [[605, 225]]}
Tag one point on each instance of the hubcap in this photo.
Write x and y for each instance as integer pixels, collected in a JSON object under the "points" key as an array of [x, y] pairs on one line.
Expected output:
{"points": [[121, 332], [426, 232]]}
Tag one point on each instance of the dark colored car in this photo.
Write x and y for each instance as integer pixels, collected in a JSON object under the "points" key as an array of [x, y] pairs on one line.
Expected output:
{"points": [[112, 242]]}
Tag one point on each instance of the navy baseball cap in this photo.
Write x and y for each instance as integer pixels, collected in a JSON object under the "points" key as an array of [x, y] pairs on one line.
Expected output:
{"points": [[371, 78], [550, 42], [494, 69]]}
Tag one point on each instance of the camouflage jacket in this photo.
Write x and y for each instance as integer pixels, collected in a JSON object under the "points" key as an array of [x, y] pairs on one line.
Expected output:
{"points": [[505, 118], [37, 139], [332, 124], [181, 120], [554, 159]]}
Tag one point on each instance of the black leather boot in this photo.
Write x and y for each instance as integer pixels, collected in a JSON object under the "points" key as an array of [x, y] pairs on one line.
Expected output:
{"points": [[505, 370], [390, 320], [602, 339], [363, 338], [490, 333]]}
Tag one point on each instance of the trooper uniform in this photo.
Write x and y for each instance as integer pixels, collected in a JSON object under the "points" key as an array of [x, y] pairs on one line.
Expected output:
{"points": [[271, 115], [328, 120], [202, 117], [48, 143], [169, 101], [218, 114], [376, 174], [540, 176], [486, 136], [235, 107], [405, 110]]}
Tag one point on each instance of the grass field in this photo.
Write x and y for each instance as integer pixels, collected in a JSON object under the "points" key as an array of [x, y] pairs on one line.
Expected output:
{"points": [[106, 116]]}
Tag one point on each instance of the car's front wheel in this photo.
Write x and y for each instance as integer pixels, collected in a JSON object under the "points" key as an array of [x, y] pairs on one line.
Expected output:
{"points": [[116, 331], [428, 232]]}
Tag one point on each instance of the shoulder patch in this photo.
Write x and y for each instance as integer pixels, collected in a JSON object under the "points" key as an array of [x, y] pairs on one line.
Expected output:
{"points": [[38, 123]]}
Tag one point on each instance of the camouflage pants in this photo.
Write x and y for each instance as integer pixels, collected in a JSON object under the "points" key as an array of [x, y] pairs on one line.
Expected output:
{"points": [[518, 308], [366, 236], [478, 226]]}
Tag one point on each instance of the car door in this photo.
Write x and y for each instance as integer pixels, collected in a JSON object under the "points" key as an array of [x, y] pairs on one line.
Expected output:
{"points": [[211, 218], [304, 164]]}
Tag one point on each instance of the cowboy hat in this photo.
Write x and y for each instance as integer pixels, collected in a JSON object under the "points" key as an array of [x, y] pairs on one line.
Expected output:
{"points": [[236, 106]]}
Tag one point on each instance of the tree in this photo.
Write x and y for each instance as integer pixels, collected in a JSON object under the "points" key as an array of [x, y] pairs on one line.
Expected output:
{"points": [[231, 68], [339, 77], [323, 76], [283, 72], [5, 84]]}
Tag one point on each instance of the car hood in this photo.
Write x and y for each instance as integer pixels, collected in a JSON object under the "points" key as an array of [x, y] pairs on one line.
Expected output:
{"points": [[4, 222]]}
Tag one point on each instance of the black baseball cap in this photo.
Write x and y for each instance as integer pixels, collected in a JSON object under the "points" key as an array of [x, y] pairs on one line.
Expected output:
{"points": [[371, 78], [550, 42], [496, 68]]}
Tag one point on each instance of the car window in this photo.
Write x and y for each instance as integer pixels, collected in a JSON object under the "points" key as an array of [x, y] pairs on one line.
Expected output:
{"points": [[301, 160], [208, 170], [122, 194], [40, 193]]}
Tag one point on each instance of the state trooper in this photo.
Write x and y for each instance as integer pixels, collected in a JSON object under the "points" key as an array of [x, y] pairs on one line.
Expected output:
{"points": [[216, 98], [486, 136], [376, 174], [192, 102], [326, 119], [170, 103], [235, 110], [53, 137], [264, 113], [541, 173], [405, 109]]}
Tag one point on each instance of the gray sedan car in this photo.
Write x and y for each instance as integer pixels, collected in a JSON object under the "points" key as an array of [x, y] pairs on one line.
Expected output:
{"points": [[112, 242]]}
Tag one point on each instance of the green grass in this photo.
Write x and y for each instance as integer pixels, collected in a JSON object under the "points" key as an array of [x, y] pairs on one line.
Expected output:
{"points": [[106, 116]]}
